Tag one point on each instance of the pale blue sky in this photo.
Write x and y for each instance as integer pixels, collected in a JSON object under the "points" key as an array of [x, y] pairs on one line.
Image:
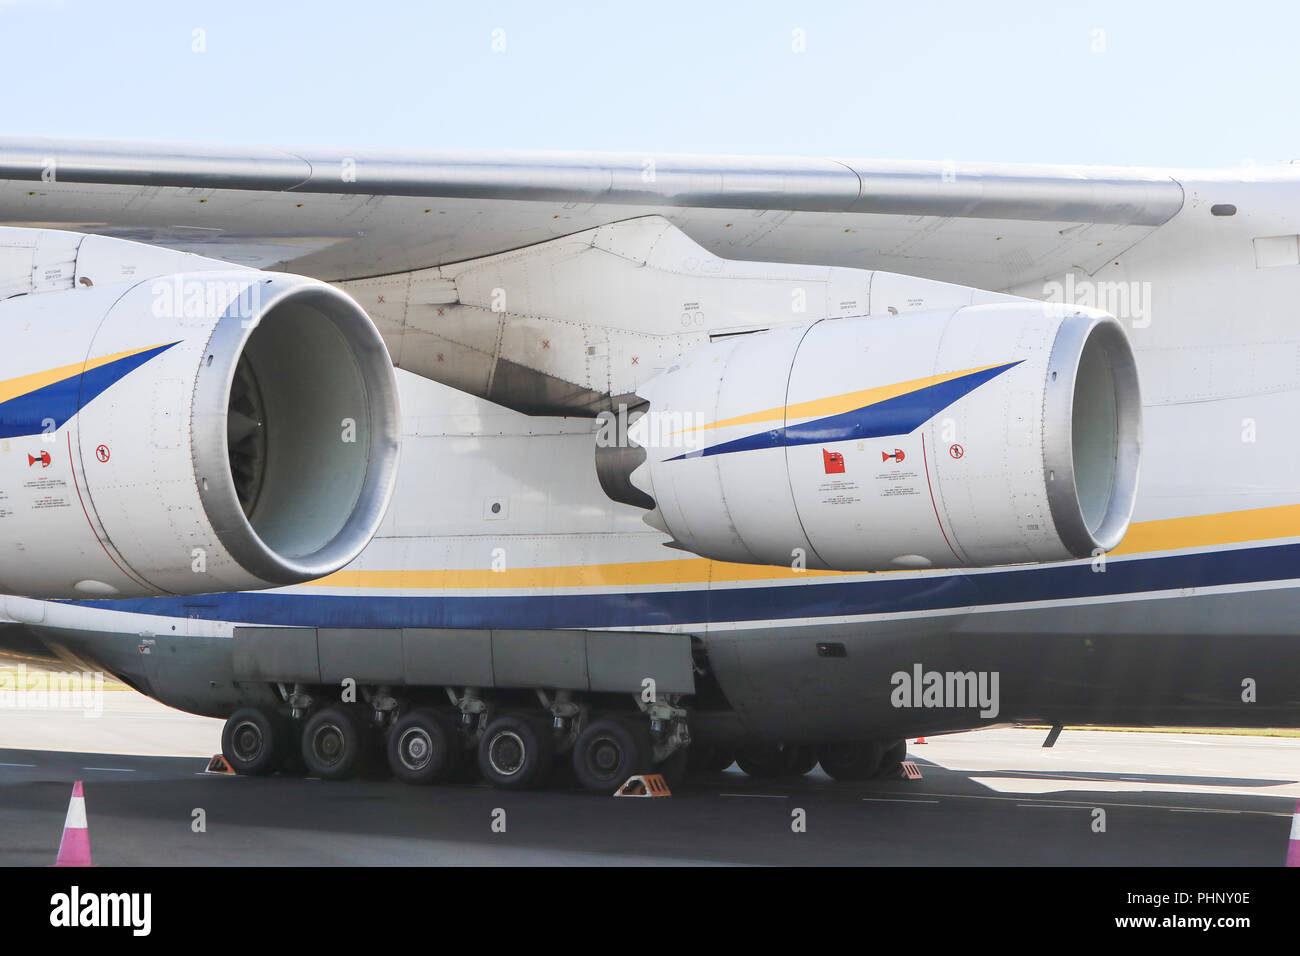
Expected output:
{"points": [[1181, 84]]}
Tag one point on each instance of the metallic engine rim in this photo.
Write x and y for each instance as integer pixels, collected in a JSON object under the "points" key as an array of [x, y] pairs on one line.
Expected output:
{"points": [[1058, 435], [211, 457]]}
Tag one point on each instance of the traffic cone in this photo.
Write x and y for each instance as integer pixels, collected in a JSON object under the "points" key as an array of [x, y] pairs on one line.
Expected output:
{"points": [[74, 848], [920, 740], [1293, 854]]}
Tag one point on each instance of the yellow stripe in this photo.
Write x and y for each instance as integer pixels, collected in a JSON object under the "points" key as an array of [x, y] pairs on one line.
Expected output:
{"points": [[838, 404], [1200, 531], [15, 387], [1171, 534], [631, 574]]}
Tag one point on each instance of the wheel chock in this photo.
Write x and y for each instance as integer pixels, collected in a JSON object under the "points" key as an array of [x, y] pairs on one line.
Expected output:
{"points": [[910, 770], [644, 785], [219, 764]]}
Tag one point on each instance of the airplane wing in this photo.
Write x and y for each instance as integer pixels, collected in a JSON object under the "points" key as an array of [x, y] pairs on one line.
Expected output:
{"points": [[340, 214]]}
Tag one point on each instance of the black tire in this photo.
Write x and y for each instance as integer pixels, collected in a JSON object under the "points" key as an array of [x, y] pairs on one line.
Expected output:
{"points": [[893, 755], [803, 761], [674, 770], [255, 742], [423, 747], [851, 760], [704, 760], [515, 752], [335, 745], [607, 752], [769, 761]]}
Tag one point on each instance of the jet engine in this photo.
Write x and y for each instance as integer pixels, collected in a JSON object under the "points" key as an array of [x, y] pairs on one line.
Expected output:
{"points": [[190, 433], [990, 434]]}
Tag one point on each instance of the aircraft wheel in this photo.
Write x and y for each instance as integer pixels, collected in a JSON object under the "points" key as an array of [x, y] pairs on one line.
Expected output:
{"points": [[334, 744], [804, 761], [515, 752], [894, 754], [674, 769], [708, 759], [423, 747], [851, 760], [255, 742], [773, 760], [607, 752]]}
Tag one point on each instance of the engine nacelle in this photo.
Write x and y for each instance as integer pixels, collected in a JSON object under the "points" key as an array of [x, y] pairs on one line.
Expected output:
{"points": [[986, 435], [191, 433]]}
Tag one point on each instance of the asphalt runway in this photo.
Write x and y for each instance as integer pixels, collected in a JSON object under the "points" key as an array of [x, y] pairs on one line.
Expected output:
{"points": [[988, 798]]}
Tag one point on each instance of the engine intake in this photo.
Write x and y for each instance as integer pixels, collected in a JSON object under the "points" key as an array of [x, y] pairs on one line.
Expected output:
{"points": [[204, 431], [991, 434]]}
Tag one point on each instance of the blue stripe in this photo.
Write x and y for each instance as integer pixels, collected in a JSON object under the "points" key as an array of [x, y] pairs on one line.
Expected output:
{"points": [[900, 415], [59, 401], [876, 595]]}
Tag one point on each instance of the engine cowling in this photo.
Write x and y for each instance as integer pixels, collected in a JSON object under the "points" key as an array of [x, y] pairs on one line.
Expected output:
{"points": [[190, 433], [986, 435]]}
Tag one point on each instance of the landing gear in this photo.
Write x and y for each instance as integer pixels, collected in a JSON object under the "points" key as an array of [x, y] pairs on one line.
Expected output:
{"points": [[777, 760], [515, 752], [423, 747], [255, 742], [851, 760], [336, 744], [607, 752]]}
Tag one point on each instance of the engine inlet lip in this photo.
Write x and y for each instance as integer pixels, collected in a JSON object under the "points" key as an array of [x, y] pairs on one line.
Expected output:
{"points": [[1077, 332], [210, 450]]}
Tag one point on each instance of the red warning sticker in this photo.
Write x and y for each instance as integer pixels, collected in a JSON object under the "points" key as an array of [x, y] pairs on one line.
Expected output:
{"points": [[896, 455], [44, 459], [956, 451], [102, 453], [833, 461]]}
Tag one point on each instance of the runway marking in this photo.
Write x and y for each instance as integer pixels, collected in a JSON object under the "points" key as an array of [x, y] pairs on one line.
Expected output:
{"points": [[113, 769], [17, 765], [1104, 803], [769, 796], [1053, 806], [1193, 810], [896, 800]]}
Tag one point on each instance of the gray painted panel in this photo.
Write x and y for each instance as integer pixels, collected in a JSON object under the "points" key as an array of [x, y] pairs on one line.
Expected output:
{"points": [[368, 656], [441, 656], [556, 659], [276, 654], [972, 190], [621, 661]]}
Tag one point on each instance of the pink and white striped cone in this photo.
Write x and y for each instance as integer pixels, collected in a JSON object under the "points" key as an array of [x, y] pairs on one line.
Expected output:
{"points": [[1293, 853], [74, 848]]}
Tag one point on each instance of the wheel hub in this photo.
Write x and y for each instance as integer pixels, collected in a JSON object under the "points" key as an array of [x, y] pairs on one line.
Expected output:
{"points": [[604, 756], [506, 753], [416, 749], [247, 740], [329, 744]]}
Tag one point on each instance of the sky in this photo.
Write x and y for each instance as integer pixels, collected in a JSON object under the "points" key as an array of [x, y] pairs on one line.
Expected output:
{"points": [[1128, 83]]}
